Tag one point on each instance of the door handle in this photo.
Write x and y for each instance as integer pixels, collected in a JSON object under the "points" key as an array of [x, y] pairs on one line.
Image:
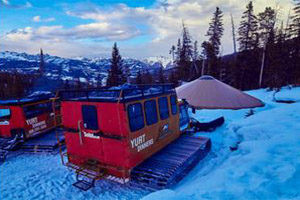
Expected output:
{"points": [[80, 132]]}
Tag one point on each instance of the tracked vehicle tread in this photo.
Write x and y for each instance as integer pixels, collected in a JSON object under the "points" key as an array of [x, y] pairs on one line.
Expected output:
{"points": [[171, 164]]}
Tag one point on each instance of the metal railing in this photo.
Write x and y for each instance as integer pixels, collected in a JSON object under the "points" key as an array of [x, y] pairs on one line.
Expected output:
{"points": [[116, 93]]}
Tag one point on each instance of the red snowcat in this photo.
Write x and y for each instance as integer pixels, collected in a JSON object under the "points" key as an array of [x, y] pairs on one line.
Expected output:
{"points": [[21, 119], [129, 135]]}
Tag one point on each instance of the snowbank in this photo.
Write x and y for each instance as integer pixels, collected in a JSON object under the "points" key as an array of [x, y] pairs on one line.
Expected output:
{"points": [[266, 164], [288, 94]]}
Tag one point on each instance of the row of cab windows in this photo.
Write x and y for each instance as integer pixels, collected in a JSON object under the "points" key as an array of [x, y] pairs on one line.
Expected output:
{"points": [[30, 111], [37, 109], [5, 113], [136, 112]]}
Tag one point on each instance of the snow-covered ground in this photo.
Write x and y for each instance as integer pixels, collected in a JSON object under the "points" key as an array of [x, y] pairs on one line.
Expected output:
{"points": [[266, 164]]}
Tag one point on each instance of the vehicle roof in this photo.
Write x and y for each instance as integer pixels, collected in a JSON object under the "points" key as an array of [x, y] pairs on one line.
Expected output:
{"points": [[26, 100], [125, 93]]}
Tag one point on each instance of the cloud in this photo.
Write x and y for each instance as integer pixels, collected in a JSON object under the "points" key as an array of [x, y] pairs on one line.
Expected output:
{"points": [[164, 20], [98, 30], [62, 41], [39, 19], [161, 23], [36, 18], [7, 4]]}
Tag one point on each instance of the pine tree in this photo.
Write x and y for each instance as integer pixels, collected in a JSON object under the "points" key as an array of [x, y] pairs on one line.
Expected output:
{"points": [[185, 54], [178, 50], [66, 84], [99, 80], [147, 77], [77, 83], [295, 35], [233, 35], [248, 66], [139, 78], [196, 71], [172, 52], [42, 63], [295, 26], [207, 53], [215, 30], [248, 36], [195, 51], [275, 73], [267, 20], [173, 78], [186, 49], [115, 75], [161, 76]]}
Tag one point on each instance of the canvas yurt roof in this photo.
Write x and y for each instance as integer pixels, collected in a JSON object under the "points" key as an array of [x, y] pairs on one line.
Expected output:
{"points": [[207, 92]]}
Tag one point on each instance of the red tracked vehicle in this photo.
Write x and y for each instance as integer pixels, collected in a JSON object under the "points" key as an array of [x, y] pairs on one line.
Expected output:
{"points": [[26, 117], [116, 133], [22, 119]]}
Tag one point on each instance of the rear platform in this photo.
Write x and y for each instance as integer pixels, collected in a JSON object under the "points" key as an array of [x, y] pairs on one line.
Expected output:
{"points": [[43, 143], [171, 164]]}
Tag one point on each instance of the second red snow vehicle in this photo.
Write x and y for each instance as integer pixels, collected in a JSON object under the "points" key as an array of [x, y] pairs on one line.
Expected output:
{"points": [[22, 119], [129, 134]]}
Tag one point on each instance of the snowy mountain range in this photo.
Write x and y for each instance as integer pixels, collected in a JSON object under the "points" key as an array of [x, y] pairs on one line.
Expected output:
{"points": [[84, 69]]}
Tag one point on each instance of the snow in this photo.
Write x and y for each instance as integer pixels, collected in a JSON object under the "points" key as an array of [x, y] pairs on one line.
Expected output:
{"points": [[286, 94], [82, 79], [266, 164], [164, 61], [51, 180], [15, 56]]}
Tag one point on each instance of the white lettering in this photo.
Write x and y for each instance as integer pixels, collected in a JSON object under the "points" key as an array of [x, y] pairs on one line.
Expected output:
{"points": [[42, 123], [137, 141], [140, 142], [90, 135], [37, 127], [4, 123], [32, 121], [132, 143], [145, 145]]}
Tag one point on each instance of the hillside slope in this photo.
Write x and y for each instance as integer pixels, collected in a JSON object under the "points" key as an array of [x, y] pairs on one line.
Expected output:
{"points": [[266, 164]]}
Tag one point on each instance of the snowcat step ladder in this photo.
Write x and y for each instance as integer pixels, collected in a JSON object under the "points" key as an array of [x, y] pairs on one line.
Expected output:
{"points": [[84, 183], [87, 174]]}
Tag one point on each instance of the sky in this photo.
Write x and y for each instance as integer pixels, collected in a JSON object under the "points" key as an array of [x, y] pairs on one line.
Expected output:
{"points": [[141, 28]]}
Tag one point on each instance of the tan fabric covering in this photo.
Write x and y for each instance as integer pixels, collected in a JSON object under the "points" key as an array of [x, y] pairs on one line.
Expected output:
{"points": [[209, 93]]}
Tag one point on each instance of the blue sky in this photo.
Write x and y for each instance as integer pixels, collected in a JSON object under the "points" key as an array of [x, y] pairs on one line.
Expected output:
{"points": [[142, 28]]}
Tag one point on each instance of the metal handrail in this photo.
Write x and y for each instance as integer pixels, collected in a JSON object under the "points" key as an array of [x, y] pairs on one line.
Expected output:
{"points": [[117, 94]]}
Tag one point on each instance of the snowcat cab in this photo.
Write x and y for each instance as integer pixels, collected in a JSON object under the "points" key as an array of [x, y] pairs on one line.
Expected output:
{"points": [[109, 132], [26, 117]]}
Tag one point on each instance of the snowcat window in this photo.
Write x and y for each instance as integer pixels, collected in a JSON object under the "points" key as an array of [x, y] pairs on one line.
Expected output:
{"points": [[184, 116], [173, 104], [163, 108], [90, 118], [4, 113], [136, 116], [151, 112], [37, 109]]}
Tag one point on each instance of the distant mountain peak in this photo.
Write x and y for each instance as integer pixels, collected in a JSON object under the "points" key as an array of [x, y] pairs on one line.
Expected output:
{"points": [[164, 61], [79, 68]]}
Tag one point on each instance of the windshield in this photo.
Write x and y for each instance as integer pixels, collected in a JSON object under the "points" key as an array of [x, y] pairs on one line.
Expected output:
{"points": [[4, 113]]}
